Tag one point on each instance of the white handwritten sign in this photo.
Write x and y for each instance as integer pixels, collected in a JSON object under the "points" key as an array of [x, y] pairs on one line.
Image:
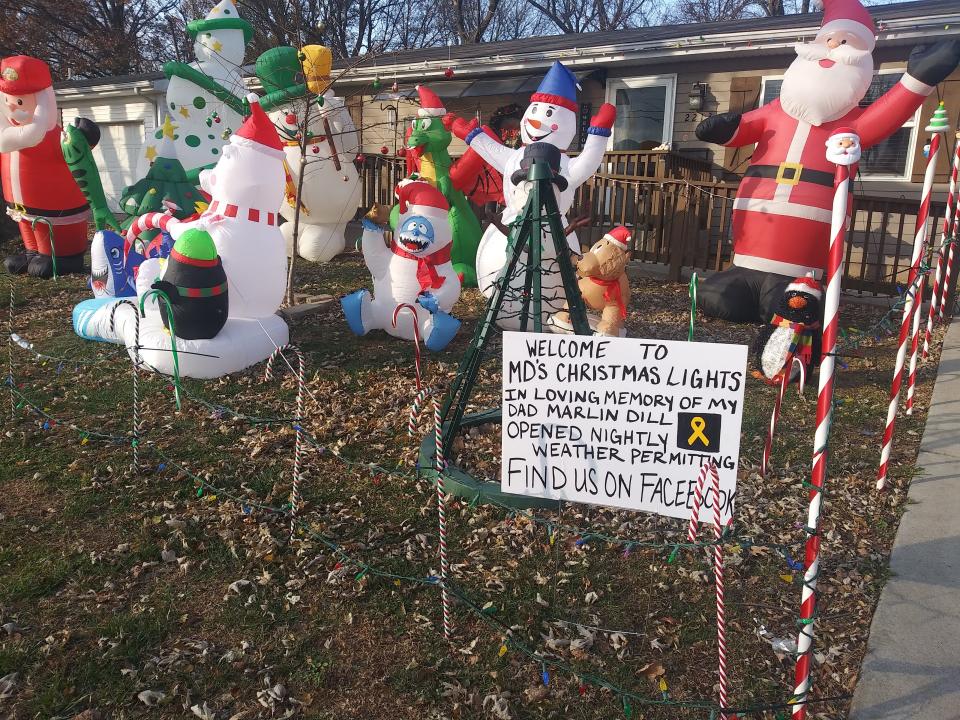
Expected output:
{"points": [[621, 421]]}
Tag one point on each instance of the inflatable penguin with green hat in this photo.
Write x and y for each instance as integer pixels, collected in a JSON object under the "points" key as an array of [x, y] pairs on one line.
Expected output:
{"points": [[196, 285]]}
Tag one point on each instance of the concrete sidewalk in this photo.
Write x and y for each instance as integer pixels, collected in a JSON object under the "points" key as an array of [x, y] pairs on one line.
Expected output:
{"points": [[912, 667]]}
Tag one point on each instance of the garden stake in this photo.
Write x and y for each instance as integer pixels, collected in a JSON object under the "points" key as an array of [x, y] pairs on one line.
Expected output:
{"points": [[711, 467], [53, 248], [13, 402], [918, 302], [908, 313], [808, 602], [955, 193], [296, 498], [135, 443], [948, 218]]}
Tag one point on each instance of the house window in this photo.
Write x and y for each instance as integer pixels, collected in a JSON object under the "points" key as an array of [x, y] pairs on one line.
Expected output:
{"points": [[644, 111], [891, 159]]}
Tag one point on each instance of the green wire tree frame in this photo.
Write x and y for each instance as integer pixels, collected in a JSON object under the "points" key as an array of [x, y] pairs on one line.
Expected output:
{"points": [[540, 217]]}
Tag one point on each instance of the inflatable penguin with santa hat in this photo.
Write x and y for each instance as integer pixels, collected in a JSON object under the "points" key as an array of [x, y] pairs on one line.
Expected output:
{"points": [[793, 332], [550, 118], [782, 211], [414, 274], [196, 286]]}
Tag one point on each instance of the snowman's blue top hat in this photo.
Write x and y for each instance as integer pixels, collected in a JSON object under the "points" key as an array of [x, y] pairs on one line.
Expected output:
{"points": [[559, 87]]}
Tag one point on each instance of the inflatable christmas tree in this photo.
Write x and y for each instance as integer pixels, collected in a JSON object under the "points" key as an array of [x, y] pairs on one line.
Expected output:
{"points": [[165, 186], [205, 98]]}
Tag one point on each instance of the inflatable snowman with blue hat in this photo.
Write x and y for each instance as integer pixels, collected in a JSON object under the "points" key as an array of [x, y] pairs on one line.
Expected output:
{"points": [[551, 117], [246, 189], [414, 274]]}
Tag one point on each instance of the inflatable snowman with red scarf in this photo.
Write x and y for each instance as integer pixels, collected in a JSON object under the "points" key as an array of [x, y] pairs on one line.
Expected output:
{"points": [[414, 275], [38, 187], [781, 214]]}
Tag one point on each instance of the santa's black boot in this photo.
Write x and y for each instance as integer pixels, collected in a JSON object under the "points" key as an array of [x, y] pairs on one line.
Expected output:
{"points": [[17, 264], [41, 266]]}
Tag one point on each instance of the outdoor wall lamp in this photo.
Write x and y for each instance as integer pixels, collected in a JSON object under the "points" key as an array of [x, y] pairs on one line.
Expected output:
{"points": [[697, 96]]}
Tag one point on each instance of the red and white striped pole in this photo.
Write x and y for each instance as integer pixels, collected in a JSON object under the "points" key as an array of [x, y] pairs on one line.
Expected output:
{"points": [[913, 284], [955, 196], [842, 139], [711, 467], [932, 155], [774, 418], [935, 295], [915, 338]]}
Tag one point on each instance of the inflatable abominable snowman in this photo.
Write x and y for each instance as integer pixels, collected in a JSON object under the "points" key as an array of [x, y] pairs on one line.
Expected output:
{"points": [[413, 275], [246, 188], [205, 98], [551, 117], [331, 194]]}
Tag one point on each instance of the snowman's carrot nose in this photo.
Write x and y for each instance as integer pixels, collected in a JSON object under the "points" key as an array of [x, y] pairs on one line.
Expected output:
{"points": [[535, 124]]}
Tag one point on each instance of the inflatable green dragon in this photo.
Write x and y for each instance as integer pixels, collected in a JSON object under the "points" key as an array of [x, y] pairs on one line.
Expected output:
{"points": [[429, 139], [78, 152]]}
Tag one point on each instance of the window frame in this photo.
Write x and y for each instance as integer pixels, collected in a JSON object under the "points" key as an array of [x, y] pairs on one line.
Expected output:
{"points": [[641, 81], [913, 123]]}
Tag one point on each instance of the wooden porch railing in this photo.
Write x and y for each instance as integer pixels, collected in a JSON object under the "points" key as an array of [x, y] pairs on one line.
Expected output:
{"points": [[682, 222]]}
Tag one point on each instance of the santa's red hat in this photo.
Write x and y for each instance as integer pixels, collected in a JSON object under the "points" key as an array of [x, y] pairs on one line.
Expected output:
{"points": [[619, 236], [430, 103], [806, 284], [257, 131], [421, 198], [849, 16], [840, 133], [23, 75]]}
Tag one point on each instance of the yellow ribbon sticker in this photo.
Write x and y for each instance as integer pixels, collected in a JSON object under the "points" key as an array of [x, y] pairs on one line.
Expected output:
{"points": [[698, 424]]}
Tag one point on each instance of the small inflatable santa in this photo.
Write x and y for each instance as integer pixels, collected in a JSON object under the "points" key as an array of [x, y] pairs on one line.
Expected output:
{"points": [[781, 215], [39, 190]]}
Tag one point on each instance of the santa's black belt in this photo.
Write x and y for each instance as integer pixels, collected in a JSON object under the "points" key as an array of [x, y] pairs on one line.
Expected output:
{"points": [[40, 212], [790, 174]]}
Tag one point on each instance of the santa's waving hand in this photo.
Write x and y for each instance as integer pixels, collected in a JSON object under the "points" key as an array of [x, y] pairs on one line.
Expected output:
{"points": [[38, 187], [781, 215]]}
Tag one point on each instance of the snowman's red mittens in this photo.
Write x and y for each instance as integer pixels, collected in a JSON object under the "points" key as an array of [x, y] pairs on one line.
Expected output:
{"points": [[601, 123]]}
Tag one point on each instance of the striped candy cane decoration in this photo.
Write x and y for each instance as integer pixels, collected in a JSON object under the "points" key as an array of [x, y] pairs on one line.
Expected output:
{"points": [[415, 409], [150, 221], [711, 467], [808, 603], [440, 465], [951, 233], [913, 283], [697, 503], [936, 292], [915, 342], [13, 402], [296, 499], [135, 443], [774, 417]]}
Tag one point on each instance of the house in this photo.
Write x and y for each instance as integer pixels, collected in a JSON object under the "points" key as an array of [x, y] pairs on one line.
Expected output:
{"points": [[663, 80]]}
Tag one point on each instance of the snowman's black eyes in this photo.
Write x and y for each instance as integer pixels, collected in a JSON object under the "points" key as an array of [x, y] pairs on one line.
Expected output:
{"points": [[843, 42], [19, 102], [549, 112]]}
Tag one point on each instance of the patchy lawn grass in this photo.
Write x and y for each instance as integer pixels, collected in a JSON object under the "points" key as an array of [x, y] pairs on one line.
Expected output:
{"points": [[146, 595]]}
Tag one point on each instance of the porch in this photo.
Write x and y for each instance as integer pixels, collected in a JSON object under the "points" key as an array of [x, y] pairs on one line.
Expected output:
{"points": [[680, 217]]}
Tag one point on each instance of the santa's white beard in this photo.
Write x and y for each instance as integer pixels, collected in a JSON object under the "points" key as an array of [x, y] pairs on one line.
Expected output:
{"points": [[31, 128], [816, 94]]}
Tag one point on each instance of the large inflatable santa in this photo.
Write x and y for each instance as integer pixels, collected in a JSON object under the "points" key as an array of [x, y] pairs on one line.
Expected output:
{"points": [[781, 215], [39, 190]]}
